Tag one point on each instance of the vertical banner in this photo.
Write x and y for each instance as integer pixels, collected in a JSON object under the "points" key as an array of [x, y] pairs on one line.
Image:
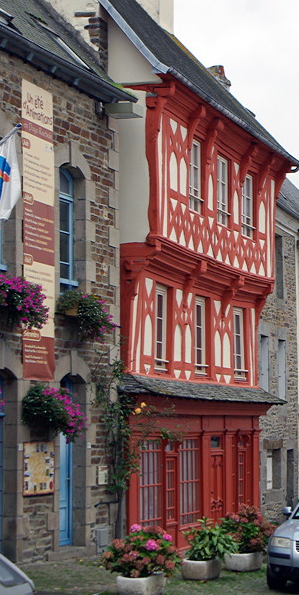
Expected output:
{"points": [[39, 230]]}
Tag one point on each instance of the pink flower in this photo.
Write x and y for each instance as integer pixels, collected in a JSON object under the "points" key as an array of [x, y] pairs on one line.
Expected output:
{"points": [[167, 537], [135, 528], [151, 545]]}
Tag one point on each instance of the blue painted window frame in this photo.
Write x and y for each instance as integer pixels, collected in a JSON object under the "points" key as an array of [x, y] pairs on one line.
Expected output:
{"points": [[67, 198]]}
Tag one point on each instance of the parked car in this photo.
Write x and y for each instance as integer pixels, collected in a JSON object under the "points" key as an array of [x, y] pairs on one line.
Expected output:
{"points": [[13, 581], [283, 551]]}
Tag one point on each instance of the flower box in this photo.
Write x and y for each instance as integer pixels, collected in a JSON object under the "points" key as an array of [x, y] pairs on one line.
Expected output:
{"points": [[202, 570], [147, 585], [243, 562]]}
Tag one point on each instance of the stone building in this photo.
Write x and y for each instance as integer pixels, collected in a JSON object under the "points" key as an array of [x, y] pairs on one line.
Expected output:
{"points": [[278, 356], [45, 62]]}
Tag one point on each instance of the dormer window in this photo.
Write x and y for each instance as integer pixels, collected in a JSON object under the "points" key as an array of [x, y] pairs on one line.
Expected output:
{"points": [[222, 191], [195, 199]]}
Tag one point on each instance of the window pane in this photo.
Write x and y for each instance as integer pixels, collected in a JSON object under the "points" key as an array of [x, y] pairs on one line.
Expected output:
{"points": [[64, 248], [64, 215], [65, 183]]}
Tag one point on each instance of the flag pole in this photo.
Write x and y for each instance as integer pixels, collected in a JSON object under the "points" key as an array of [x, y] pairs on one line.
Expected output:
{"points": [[9, 134]]}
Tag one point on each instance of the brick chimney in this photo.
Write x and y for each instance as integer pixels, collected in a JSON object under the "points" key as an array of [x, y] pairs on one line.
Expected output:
{"points": [[219, 74]]}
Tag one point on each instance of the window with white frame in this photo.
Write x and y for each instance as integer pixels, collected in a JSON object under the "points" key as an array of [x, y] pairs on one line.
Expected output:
{"points": [[222, 191], [200, 351], [161, 317], [269, 470], [239, 369], [247, 207], [195, 199]]}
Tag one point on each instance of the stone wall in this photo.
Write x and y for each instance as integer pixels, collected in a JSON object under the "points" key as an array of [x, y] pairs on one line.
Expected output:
{"points": [[88, 145], [279, 427]]}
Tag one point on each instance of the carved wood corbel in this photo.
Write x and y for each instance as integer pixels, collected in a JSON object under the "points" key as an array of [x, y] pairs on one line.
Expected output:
{"points": [[230, 292], [213, 130], [246, 161], [195, 117], [190, 279], [264, 172]]}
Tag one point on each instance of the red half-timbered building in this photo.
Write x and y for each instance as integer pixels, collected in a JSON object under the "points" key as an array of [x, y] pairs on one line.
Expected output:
{"points": [[199, 177]]}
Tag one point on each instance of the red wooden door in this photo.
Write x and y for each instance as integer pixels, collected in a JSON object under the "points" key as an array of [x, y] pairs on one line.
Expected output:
{"points": [[216, 479]]}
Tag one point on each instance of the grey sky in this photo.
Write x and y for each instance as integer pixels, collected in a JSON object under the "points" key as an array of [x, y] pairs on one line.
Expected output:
{"points": [[257, 42]]}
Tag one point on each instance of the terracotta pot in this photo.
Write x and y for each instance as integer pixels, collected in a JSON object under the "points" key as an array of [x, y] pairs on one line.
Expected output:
{"points": [[201, 570], [148, 585], [243, 562]]}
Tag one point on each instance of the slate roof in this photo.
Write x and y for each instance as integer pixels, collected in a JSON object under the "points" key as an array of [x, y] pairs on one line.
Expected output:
{"points": [[135, 384], [32, 30], [288, 199], [167, 55]]}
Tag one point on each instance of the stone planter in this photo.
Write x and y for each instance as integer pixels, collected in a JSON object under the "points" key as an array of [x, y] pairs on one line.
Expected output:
{"points": [[243, 562], [202, 570], [148, 585]]}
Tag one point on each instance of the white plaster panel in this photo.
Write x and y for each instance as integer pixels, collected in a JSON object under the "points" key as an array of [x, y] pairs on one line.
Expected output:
{"points": [[188, 374], [236, 207], [179, 296], [182, 240], [226, 351], [134, 318], [173, 125], [217, 349], [217, 306], [188, 344], [148, 285], [148, 335], [178, 343], [236, 167], [173, 235], [262, 218], [218, 377], [227, 378], [210, 192], [183, 177], [183, 130], [173, 172], [177, 373]]}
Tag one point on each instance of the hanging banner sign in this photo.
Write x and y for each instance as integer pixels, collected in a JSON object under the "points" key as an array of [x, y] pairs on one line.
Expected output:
{"points": [[38, 221]]}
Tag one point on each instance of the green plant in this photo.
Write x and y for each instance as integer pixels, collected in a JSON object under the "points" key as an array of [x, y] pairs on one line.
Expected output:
{"points": [[208, 541], [24, 302], [142, 552], [249, 528], [94, 321], [53, 409]]}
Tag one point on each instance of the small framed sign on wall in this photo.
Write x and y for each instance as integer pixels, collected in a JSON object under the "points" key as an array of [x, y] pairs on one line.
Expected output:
{"points": [[38, 468]]}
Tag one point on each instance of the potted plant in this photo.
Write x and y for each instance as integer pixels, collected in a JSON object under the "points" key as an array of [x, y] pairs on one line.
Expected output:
{"points": [[53, 410], [142, 559], [251, 532], [208, 544], [23, 302], [92, 317]]}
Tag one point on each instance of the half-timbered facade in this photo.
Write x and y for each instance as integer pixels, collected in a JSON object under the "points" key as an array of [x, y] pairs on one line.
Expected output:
{"points": [[199, 177]]}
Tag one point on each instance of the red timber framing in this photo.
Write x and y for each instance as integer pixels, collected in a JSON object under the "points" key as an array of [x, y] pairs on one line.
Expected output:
{"points": [[210, 470], [194, 254]]}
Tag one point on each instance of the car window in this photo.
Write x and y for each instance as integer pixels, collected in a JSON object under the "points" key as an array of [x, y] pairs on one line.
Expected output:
{"points": [[8, 577]]}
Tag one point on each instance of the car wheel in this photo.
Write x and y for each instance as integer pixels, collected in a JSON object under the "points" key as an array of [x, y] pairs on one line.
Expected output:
{"points": [[274, 581]]}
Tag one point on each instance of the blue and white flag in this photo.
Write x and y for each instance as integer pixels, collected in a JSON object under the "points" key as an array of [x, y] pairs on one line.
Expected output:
{"points": [[10, 182]]}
